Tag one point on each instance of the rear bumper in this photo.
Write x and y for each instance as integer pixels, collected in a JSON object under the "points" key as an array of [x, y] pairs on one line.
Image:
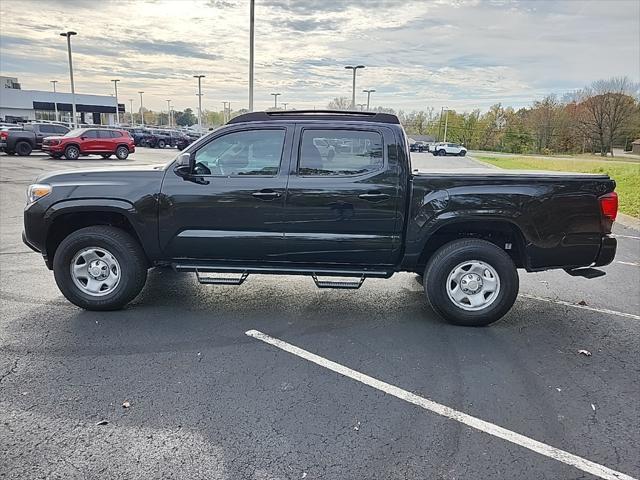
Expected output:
{"points": [[3, 145], [607, 252]]}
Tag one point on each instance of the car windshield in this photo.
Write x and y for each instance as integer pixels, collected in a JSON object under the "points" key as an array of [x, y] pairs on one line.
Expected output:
{"points": [[75, 132]]}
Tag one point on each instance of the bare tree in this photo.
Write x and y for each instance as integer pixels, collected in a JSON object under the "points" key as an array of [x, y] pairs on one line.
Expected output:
{"points": [[605, 108], [339, 103]]}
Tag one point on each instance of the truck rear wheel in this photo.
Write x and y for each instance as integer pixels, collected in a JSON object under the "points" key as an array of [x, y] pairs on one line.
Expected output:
{"points": [[471, 282], [100, 268], [23, 149]]}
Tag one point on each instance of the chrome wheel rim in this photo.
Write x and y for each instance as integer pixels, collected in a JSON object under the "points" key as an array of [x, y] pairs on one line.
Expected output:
{"points": [[95, 271], [72, 153], [473, 285], [121, 153]]}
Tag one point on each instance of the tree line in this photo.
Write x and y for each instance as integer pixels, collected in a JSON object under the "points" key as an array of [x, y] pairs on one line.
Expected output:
{"points": [[593, 119]]}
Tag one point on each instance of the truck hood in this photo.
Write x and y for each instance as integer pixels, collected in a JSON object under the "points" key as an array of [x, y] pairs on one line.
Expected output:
{"points": [[106, 176]]}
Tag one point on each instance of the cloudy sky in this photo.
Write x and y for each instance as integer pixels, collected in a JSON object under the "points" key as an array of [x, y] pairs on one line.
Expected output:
{"points": [[463, 54]]}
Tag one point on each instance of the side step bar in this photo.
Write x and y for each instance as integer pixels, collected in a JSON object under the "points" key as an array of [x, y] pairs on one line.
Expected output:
{"points": [[201, 269], [586, 272], [337, 284], [209, 280]]}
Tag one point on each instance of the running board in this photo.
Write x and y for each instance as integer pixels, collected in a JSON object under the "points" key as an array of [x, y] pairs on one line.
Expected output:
{"points": [[337, 284], [209, 280], [585, 272], [204, 267]]}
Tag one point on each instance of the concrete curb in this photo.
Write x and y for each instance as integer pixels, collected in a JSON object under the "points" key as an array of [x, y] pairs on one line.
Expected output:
{"points": [[485, 164], [628, 221]]}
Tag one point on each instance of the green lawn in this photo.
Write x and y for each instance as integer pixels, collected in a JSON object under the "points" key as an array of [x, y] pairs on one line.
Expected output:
{"points": [[626, 174]]}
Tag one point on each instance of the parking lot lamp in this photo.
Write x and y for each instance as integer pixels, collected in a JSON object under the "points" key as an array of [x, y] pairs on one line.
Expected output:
{"points": [[353, 93], [141, 110], [73, 89], [362, 105], [55, 102], [169, 111], [115, 86], [284, 105], [131, 111], [275, 99], [199, 77], [368, 92]]}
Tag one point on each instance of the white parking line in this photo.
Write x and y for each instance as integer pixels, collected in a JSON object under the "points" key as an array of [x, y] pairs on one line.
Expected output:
{"points": [[583, 307], [633, 264], [486, 427]]}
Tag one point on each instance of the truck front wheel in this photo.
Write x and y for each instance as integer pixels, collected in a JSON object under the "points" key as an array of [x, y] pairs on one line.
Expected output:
{"points": [[100, 268], [471, 282]]}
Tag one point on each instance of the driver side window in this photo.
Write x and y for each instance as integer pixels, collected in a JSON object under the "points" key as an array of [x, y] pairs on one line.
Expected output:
{"points": [[250, 152]]}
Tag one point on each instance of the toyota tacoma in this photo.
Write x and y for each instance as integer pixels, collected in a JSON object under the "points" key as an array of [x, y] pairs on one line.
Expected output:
{"points": [[258, 196]]}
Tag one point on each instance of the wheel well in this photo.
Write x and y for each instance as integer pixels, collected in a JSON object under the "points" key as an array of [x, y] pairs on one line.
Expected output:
{"points": [[68, 223], [72, 145], [122, 145], [500, 233]]}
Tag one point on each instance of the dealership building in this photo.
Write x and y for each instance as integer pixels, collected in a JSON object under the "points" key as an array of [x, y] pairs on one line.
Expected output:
{"points": [[17, 105]]}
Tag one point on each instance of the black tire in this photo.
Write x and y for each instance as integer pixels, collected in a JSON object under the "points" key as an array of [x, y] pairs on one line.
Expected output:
{"points": [[162, 144], [105, 155], [122, 152], [453, 254], [71, 152], [462, 153], [122, 246], [10, 153], [442, 153], [24, 149]]}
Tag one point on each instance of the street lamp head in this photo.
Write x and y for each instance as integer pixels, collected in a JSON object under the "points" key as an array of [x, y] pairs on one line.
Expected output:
{"points": [[140, 93], [360, 66], [348, 67], [68, 34], [198, 76], [369, 91]]}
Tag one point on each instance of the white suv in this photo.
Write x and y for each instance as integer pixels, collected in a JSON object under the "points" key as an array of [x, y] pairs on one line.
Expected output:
{"points": [[442, 149]]}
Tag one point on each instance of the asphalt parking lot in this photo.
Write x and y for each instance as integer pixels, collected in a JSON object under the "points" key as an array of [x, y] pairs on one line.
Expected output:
{"points": [[206, 400]]}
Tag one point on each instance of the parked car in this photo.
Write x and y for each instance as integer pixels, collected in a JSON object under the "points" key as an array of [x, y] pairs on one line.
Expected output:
{"points": [[162, 138], [142, 137], [442, 149], [85, 141], [23, 140], [180, 140], [238, 201]]}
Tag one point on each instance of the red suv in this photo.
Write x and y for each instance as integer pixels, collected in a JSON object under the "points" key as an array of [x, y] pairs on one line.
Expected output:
{"points": [[85, 141]]}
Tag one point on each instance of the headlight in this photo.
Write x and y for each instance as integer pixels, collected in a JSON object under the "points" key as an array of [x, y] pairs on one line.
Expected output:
{"points": [[37, 190]]}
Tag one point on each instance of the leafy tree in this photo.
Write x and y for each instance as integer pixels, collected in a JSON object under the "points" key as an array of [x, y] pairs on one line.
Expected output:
{"points": [[339, 103], [186, 118]]}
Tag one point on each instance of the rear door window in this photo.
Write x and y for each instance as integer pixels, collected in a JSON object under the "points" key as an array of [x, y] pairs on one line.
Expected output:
{"points": [[340, 152]]}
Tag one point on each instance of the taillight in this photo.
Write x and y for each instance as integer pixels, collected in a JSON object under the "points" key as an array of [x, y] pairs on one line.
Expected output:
{"points": [[4, 135], [609, 205]]}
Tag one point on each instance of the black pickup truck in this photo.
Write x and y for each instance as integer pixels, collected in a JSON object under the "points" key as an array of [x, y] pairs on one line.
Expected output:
{"points": [[259, 196], [23, 141]]}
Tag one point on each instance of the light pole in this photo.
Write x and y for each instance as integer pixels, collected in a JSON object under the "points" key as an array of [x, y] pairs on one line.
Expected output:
{"points": [[169, 110], [55, 103], [115, 86], [362, 105], [131, 111], [224, 112], [368, 92], [353, 93], [141, 110], [73, 88], [199, 77], [275, 99], [446, 121], [252, 8]]}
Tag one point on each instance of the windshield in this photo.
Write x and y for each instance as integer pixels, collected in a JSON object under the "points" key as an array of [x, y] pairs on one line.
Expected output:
{"points": [[75, 133]]}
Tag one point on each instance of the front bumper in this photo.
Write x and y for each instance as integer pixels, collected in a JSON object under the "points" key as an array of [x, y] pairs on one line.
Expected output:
{"points": [[607, 252]]}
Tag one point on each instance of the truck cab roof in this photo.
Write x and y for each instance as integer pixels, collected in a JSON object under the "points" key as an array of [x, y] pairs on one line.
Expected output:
{"points": [[302, 115]]}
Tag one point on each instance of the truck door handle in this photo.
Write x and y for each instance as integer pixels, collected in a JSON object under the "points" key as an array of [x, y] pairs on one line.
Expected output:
{"points": [[266, 195], [374, 196]]}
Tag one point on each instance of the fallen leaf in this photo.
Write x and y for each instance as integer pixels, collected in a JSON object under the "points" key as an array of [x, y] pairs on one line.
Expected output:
{"points": [[559, 389], [103, 422], [582, 302], [304, 475], [586, 353], [126, 404], [357, 427], [593, 407]]}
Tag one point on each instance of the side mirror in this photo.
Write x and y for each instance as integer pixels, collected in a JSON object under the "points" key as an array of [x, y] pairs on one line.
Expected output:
{"points": [[183, 164]]}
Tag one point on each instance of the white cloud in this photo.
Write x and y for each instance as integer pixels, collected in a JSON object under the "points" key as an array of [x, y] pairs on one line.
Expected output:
{"points": [[466, 54]]}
